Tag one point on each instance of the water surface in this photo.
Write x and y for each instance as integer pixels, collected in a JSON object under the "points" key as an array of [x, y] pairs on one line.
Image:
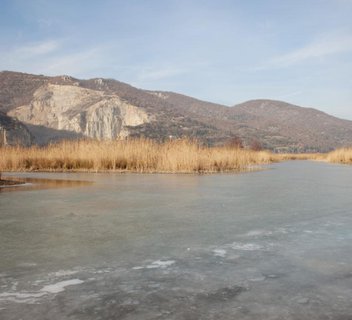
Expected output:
{"points": [[272, 244]]}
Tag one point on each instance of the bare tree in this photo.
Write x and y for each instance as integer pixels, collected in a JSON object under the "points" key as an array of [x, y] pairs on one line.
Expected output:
{"points": [[235, 142], [256, 145]]}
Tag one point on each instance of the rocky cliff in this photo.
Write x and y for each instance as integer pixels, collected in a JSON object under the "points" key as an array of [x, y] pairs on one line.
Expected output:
{"points": [[91, 113], [13, 132], [62, 107]]}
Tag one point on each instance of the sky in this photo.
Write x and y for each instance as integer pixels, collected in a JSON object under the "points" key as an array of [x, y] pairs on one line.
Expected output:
{"points": [[223, 51]]}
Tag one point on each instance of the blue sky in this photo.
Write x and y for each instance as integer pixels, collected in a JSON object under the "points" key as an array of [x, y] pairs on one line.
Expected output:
{"points": [[225, 51]]}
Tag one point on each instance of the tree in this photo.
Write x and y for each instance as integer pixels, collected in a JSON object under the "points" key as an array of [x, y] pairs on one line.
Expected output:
{"points": [[256, 145], [235, 142]]}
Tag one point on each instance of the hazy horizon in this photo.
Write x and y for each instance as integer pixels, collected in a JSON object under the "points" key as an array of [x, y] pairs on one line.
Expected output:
{"points": [[225, 52]]}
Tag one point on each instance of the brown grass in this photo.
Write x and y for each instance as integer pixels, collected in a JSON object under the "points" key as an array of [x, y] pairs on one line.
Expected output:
{"points": [[343, 155], [300, 156], [139, 155]]}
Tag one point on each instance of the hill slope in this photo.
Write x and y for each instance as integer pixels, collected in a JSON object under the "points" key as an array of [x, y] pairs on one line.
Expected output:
{"points": [[53, 108]]}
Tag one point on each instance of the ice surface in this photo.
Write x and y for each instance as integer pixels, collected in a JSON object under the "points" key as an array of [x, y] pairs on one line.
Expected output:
{"points": [[274, 244], [246, 246]]}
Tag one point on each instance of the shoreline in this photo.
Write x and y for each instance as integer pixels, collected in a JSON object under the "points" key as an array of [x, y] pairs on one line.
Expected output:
{"points": [[10, 183], [123, 171]]}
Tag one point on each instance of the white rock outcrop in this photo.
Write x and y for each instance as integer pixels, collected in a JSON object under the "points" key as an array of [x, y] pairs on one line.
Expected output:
{"points": [[89, 112]]}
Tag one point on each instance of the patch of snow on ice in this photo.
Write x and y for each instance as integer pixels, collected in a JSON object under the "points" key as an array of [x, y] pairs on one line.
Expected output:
{"points": [[255, 233], [27, 264], [63, 273], [33, 297], [158, 264], [60, 286], [220, 253], [138, 268], [257, 279], [246, 246], [21, 297]]}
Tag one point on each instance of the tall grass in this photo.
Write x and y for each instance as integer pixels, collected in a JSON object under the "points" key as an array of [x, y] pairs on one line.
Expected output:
{"points": [[343, 155], [139, 155], [299, 156]]}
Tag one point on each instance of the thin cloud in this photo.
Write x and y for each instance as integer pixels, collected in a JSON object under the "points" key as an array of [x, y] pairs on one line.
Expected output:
{"points": [[51, 58], [316, 50], [40, 48], [167, 70], [27, 56], [160, 73], [75, 63]]}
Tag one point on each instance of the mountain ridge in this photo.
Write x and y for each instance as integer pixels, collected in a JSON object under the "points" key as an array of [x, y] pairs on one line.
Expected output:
{"points": [[110, 109]]}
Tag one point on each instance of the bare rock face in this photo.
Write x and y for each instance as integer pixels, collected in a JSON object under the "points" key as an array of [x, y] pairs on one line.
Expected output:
{"points": [[13, 133], [92, 113]]}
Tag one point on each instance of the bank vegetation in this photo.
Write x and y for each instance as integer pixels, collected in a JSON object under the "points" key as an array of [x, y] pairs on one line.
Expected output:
{"points": [[148, 156], [134, 155], [343, 155]]}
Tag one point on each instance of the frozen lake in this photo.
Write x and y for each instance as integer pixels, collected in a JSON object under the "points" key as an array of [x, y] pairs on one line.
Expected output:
{"points": [[272, 244]]}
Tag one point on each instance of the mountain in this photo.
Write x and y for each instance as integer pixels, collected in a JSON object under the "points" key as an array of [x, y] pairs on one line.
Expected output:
{"points": [[62, 107], [277, 125]]}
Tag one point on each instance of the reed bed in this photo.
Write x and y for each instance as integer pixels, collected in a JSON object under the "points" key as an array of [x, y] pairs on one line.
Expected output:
{"points": [[343, 155], [138, 155], [300, 156]]}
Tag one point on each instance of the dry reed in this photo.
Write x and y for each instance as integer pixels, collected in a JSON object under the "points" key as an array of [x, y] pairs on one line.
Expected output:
{"points": [[343, 155], [299, 156], [135, 155]]}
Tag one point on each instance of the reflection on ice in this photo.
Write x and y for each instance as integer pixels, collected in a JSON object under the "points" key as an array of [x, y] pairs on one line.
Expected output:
{"points": [[30, 183]]}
